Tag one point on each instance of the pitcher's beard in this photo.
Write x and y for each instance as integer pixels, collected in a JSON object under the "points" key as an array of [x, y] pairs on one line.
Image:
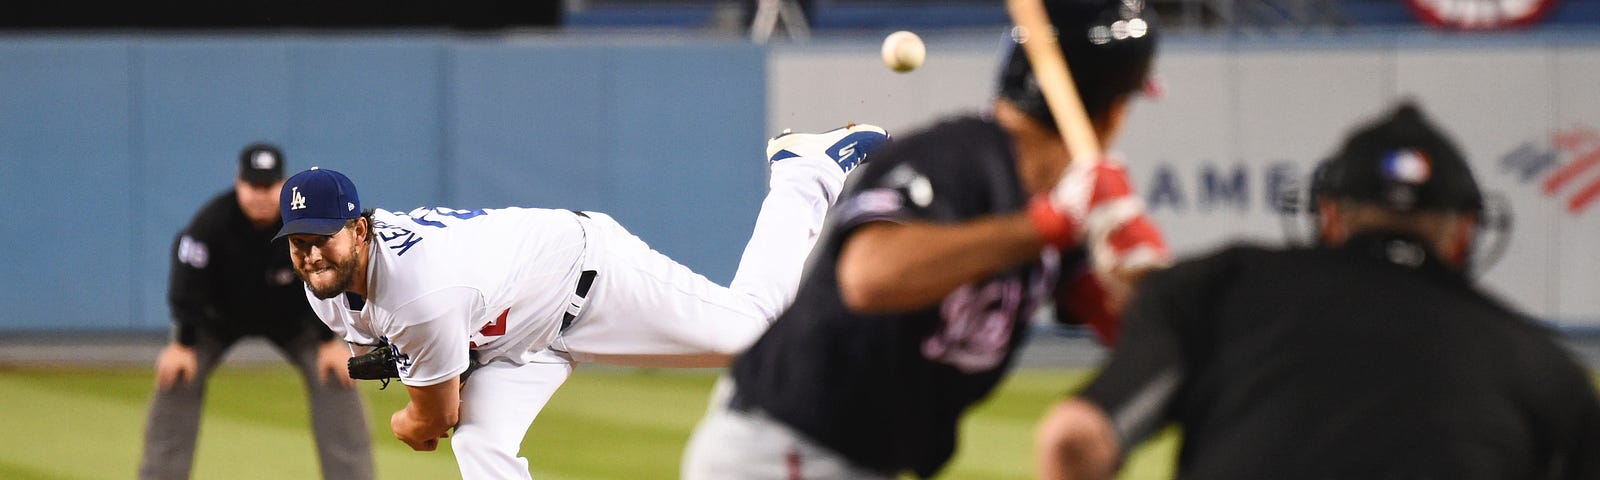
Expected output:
{"points": [[343, 272]]}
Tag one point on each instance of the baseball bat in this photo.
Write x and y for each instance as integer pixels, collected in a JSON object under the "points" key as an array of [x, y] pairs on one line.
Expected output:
{"points": [[1054, 77], [1061, 94]]}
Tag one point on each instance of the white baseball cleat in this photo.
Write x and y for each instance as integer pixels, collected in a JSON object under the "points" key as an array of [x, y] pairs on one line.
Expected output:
{"points": [[847, 146]]}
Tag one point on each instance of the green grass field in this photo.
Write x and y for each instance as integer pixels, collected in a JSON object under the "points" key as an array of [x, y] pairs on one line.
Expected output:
{"points": [[86, 423]]}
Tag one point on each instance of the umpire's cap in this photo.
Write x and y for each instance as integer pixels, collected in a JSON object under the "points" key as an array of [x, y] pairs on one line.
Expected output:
{"points": [[1401, 162], [317, 201], [1108, 45], [261, 164]]}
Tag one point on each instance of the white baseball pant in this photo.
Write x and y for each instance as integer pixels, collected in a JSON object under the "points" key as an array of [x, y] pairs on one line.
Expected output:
{"points": [[644, 309], [647, 310]]}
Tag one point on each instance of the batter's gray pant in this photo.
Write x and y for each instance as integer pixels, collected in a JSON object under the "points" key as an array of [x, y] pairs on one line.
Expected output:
{"points": [[749, 445], [337, 417]]}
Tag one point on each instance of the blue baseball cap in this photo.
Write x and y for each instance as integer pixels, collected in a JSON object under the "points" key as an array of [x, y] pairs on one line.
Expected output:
{"points": [[317, 202]]}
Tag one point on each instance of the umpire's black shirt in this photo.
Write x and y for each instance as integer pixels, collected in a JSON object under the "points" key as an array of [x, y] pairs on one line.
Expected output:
{"points": [[887, 391], [1369, 361], [230, 279]]}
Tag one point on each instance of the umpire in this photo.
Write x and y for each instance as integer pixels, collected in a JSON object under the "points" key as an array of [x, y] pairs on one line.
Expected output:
{"points": [[230, 280], [1370, 356]]}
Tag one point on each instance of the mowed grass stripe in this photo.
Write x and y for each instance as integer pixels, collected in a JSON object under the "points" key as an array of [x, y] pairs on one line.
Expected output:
{"points": [[21, 472], [87, 423], [608, 424], [52, 434], [997, 435], [603, 424]]}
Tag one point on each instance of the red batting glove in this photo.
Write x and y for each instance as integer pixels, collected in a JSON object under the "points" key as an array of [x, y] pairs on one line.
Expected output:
{"points": [[1062, 215], [1094, 205]]}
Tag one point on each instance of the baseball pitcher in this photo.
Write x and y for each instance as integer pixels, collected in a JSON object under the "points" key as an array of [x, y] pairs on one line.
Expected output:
{"points": [[525, 294]]}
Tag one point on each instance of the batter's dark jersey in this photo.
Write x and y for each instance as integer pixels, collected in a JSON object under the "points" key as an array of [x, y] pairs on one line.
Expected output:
{"points": [[230, 279], [1369, 361], [886, 391]]}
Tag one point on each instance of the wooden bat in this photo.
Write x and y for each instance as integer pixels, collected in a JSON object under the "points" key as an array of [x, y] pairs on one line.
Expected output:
{"points": [[1055, 79], [1061, 94]]}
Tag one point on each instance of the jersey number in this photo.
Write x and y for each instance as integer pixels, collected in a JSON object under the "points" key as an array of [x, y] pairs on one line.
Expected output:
{"points": [[978, 321], [421, 214]]}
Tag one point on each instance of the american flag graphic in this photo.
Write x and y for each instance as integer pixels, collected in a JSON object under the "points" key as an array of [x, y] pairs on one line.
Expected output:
{"points": [[1566, 168]]}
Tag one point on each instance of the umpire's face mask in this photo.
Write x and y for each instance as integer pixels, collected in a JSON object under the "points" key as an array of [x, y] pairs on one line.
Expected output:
{"points": [[1297, 213], [1403, 163]]}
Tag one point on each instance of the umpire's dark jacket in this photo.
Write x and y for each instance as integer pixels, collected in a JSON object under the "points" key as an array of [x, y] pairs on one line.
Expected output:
{"points": [[1373, 360], [230, 280]]}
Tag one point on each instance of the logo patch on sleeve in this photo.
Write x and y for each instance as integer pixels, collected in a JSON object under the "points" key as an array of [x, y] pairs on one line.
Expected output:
{"points": [[878, 200], [402, 361], [193, 252]]}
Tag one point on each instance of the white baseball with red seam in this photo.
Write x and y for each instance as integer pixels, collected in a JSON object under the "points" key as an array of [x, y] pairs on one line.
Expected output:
{"points": [[903, 51]]}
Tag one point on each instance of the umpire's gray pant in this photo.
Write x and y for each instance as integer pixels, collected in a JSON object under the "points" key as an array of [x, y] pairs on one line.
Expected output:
{"points": [[337, 417]]}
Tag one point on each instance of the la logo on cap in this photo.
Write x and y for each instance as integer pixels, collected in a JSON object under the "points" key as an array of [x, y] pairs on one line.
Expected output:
{"points": [[296, 200]]}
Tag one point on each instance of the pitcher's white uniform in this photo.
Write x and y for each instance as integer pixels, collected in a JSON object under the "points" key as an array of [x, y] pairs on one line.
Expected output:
{"points": [[489, 280], [501, 282]]}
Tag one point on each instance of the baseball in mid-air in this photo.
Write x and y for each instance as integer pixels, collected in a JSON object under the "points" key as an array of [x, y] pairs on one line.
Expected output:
{"points": [[903, 51]]}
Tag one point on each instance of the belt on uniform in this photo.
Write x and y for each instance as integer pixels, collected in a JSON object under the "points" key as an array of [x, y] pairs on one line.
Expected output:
{"points": [[585, 280]]}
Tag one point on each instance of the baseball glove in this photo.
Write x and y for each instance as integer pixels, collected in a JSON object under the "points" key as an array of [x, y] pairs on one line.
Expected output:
{"points": [[380, 364]]}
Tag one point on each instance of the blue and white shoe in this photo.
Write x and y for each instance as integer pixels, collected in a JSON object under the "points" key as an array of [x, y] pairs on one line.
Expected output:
{"points": [[847, 146]]}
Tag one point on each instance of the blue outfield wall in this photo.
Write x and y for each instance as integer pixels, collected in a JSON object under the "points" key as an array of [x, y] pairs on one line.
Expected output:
{"points": [[108, 144]]}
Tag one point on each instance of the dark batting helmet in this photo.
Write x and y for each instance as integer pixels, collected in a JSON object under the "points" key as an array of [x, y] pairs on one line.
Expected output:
{"points": [[1108, 45]]}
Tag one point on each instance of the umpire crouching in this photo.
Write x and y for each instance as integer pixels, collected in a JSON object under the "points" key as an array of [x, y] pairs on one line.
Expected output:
{"points": [[1371, 356], [230, 280]]}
